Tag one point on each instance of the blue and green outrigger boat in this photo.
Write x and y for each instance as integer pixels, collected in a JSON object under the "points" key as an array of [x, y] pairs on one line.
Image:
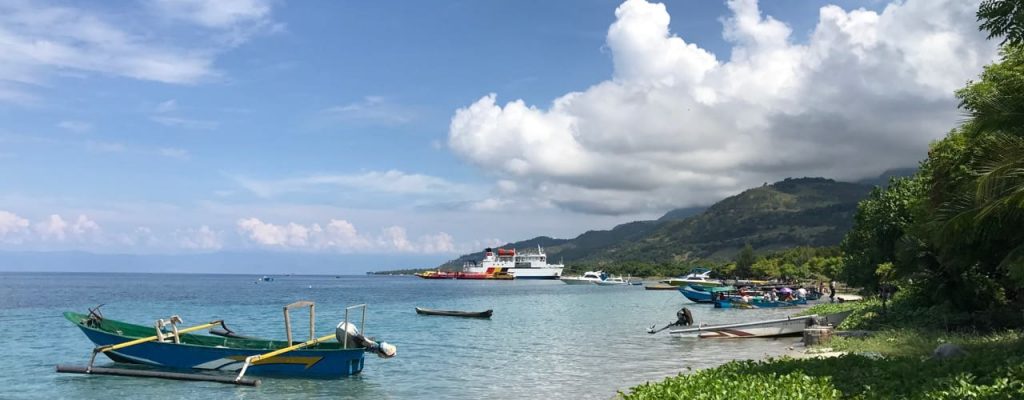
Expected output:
{"points": [[336, 355]]}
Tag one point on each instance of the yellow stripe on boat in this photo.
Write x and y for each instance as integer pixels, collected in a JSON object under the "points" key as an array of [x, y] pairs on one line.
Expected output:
{"points": [[307, 361]]}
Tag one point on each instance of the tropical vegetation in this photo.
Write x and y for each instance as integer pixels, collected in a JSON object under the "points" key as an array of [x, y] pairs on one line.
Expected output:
{"points": [[949, 239]]}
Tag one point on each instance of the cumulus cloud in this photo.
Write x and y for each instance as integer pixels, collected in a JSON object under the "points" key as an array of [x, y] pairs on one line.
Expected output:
{"points": [[202, 238], [55, 228], [140, 236], [676, 126], [11, 224], [339, 235]]}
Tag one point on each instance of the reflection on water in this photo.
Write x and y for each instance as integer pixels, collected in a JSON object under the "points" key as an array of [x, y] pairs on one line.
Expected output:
{"points": [[546, 339]]}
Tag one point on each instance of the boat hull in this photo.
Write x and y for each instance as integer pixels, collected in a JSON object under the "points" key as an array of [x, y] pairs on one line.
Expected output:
{"points": [[660, 286], [774, 328], [695, 296], [448, 313], [790, 326], [688, 282], [734, 303], [577, 281], [333, 363], [536, 273]]}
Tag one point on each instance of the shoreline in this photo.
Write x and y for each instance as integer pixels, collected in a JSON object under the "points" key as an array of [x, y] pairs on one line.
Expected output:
{"points": [[894, 361]]}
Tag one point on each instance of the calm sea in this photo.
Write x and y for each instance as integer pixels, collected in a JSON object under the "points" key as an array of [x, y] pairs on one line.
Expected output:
{"points": [[546, 339]]}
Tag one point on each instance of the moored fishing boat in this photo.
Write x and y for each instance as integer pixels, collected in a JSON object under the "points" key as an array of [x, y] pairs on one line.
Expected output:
{"points": [[452, 313], [335, 355], [706, 295], [771, 328]]}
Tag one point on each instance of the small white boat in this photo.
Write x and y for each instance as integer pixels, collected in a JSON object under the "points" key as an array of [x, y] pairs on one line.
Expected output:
{"points": [[587, 278], [759, 329], [614, 281], [697, 276]]}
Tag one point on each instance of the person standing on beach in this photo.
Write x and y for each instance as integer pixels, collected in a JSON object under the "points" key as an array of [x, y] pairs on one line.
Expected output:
{"points": [[832, 291]]}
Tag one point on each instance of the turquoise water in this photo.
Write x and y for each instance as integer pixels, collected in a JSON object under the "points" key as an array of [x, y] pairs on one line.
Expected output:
{"points": [[546, 339]]}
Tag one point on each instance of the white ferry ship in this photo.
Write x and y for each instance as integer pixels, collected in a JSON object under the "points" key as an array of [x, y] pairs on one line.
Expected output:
{"points": [[521, 265]]}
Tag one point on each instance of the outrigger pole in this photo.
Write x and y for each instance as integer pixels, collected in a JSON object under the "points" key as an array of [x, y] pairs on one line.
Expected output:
{"points": [[256, 358], [153, 374], [157, 374]]}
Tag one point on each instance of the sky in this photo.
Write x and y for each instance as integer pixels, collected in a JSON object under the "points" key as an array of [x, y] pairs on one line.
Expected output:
{"points": [[438, 128]]}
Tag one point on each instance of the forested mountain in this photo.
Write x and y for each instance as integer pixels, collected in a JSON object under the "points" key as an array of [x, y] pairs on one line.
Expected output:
{"points": [[793, 212]]}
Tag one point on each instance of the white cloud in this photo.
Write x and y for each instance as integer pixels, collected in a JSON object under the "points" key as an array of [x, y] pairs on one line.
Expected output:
{"points": [[185, 123], [339, 235], [202, 238], [236, 21], [105, 147], [55, 228], [75, 126], [392, 181], [11, 224], [291, 235], [167, 106], [395, 237], [675, 126], [41, 39], [216, 13], [141, 236], [173, 152], [372, 109], [52, 228], [41, 42], [438, 243]]}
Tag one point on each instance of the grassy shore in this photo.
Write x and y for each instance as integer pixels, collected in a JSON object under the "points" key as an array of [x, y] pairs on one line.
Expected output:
{"points": [[892, 363]]}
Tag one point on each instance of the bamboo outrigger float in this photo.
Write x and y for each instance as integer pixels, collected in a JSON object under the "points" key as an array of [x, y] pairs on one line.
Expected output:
{"points": [[318, 357]]}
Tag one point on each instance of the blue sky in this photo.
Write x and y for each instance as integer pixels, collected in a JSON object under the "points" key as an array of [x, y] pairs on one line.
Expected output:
{"points": [[182, 126]]}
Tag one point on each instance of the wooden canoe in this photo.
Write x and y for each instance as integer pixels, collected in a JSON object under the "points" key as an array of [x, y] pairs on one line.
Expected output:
{"points": [[450, 313]]}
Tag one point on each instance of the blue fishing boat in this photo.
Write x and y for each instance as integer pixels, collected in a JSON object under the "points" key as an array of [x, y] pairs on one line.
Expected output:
{"points": [[756, 302], [699, 294], [336, 355]]}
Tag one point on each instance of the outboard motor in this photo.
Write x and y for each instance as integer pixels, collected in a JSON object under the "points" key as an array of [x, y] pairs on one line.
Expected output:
{"points": [[683, 317], [355, 339]]}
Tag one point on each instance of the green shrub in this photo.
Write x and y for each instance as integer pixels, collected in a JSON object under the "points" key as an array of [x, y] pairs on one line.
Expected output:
{"points": [[992, 369], [733, 381]]}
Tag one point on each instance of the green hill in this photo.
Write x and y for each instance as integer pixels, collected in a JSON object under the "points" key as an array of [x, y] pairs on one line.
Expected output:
{"points": [[793, 212]]}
